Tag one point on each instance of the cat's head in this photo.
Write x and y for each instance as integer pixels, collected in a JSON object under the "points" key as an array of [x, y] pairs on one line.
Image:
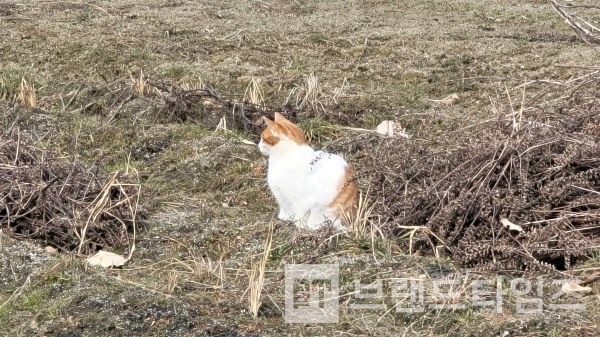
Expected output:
{"points": [[279, 132]]}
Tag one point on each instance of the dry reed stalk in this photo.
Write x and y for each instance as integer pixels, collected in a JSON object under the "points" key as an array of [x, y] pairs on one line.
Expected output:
{"points": [[18, 291], [222, 125], [27, 96], [133, 210], [585, 30], [312, 90], [257, 276], [189, 85], [340, 92], [96, 208], [361, 223], [172, 282], [140, 84], [358, 220], [253, 92], [290, 95]]}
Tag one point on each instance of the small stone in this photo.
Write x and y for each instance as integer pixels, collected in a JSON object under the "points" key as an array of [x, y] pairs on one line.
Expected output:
{"points": [[50, 250], [33, 325]]}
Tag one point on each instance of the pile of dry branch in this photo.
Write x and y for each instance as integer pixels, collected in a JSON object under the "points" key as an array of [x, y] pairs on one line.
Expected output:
{"points": [[539, 169], [65, 204], [203, 105]]}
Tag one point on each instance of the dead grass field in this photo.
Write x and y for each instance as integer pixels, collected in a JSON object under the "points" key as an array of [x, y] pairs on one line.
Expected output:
{"points": [[335, 64]]}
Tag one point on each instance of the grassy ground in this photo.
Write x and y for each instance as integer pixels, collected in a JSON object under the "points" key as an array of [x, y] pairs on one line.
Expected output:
{"points": [[206, 191]]}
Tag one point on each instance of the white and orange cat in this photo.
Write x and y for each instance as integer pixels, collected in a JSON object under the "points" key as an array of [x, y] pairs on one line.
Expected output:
{"points": [[312, 188]]}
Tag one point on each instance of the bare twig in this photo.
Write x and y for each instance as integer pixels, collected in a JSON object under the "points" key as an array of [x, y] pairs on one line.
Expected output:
{"points": [[586, 31]]}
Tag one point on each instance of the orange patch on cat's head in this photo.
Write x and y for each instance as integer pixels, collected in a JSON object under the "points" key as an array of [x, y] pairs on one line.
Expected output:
{"points": [[281, 127]]}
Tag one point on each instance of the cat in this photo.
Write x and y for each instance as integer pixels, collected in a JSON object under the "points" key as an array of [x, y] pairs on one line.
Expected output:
{"points": [[312, 188]]}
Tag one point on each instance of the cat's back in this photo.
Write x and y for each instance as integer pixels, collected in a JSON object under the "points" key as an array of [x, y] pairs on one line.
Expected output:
{"points": [[332, 177], [327, 164]]}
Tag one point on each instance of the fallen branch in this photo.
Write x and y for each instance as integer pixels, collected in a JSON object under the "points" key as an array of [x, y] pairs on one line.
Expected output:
{"points": [[585, 30]]}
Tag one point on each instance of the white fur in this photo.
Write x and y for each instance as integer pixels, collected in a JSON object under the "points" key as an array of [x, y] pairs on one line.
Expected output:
{"points": [[304, 182]]}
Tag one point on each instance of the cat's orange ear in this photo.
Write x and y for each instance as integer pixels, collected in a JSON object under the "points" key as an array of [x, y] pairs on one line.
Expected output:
{"points": [[279, 118], [268, 122]]}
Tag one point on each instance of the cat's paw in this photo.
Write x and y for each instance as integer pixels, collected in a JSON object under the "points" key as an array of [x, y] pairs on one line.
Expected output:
{"points": [[284, 216]]}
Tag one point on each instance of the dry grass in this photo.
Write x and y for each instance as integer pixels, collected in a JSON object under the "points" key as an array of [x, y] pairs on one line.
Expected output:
{"points": [[311, 90], [359, 221], [95, 208], [307, 95], [172, 282], [410, 233], [253, 93], [339, 92], [189, 84], [187, 268], [188, 272], [140, 84], [257, 274], [27, 96]]}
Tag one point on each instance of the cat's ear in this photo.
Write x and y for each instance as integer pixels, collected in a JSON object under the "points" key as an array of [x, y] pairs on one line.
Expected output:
{"points": [[279, 118], [268, 122]]}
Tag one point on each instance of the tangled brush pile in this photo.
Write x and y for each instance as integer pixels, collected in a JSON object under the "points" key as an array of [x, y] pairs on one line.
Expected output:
{"points": [[515, 196], [64, 204]]}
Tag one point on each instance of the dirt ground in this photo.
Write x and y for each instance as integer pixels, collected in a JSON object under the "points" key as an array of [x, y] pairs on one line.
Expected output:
{"points": [[337, 65]]}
